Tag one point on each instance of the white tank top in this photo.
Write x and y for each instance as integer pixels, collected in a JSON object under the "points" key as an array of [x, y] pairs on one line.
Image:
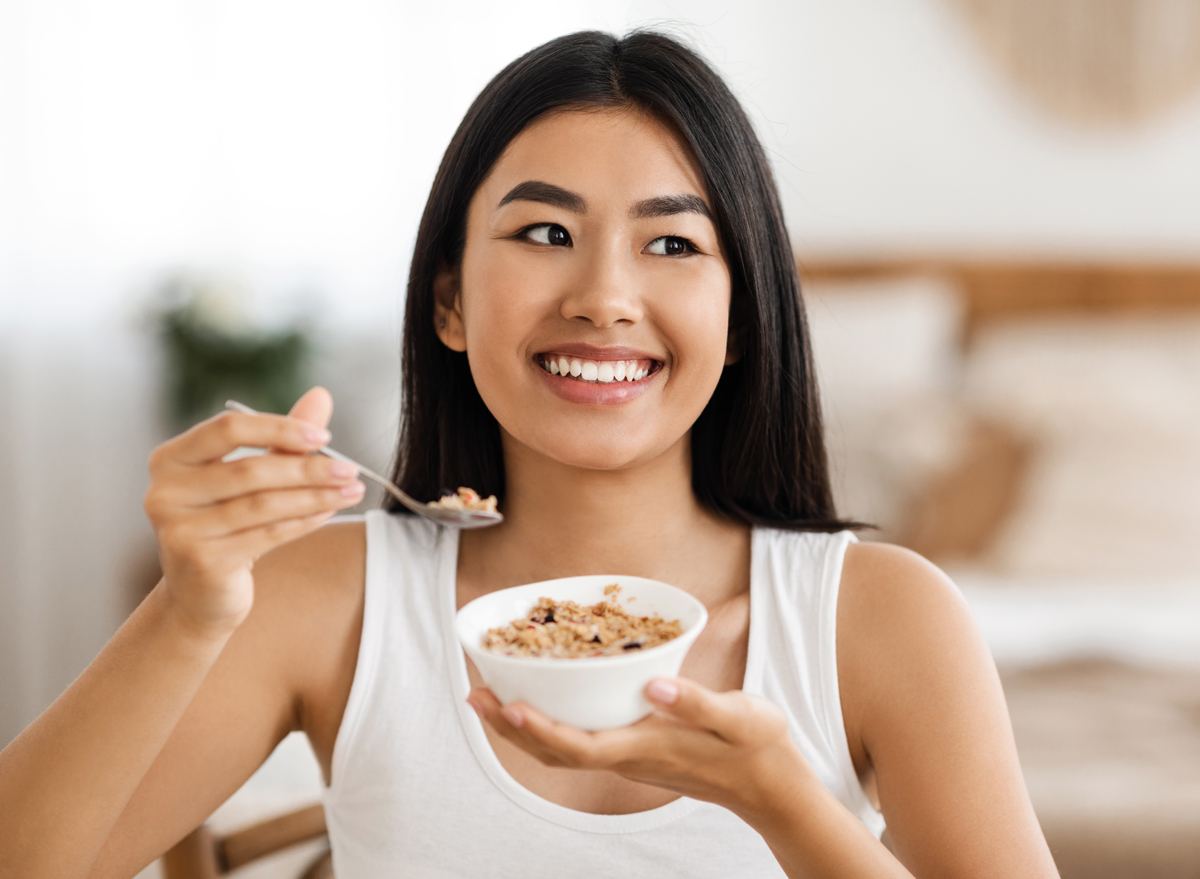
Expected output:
{"points": [[416, 787]]}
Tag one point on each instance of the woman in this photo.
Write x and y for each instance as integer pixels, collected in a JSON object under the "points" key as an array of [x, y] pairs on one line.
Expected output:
{"points": [[603, 210]]}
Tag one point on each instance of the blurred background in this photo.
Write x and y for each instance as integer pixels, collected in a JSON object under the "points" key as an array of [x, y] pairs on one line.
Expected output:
{"points": [[996, 209]]}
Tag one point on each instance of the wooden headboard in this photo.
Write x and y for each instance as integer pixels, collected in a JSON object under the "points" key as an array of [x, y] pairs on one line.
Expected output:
{"points": [[998, 288], [959, 514]]}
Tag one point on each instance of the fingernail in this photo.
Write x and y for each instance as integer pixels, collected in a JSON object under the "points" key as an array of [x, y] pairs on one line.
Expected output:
{"points": [[663, 692], [513, 716], [353, 489], [317, 435], [342, 470], [476, 707]]}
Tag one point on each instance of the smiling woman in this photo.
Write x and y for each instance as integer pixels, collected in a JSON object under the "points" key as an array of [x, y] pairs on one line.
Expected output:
{"points": [[580, 107], [604, 330]]}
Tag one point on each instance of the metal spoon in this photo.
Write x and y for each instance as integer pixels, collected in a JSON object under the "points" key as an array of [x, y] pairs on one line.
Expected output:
{"points": [[453, 518]]}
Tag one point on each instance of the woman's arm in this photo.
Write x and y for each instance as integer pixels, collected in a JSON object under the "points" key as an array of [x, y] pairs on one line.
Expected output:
{"points": [[68, 779], [65, 780], [287, 667], [924, 709]]}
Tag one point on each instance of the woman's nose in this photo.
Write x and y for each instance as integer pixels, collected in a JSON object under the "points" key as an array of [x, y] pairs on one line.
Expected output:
{"points": [[604, 293]]}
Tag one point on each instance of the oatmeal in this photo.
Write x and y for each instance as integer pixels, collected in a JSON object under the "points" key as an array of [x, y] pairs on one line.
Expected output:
{"points": [[466, 499], [566, 630]]}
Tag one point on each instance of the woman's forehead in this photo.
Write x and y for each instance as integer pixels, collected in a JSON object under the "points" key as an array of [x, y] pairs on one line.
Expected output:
{"points": [[613, 156]]}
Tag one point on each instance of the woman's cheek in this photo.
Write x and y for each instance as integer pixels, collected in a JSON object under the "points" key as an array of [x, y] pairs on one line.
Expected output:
{"points": [[699, 323], [502, 303]]}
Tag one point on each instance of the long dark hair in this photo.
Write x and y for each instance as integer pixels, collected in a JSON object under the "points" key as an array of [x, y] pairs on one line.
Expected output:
{"points": [[758, 450]]}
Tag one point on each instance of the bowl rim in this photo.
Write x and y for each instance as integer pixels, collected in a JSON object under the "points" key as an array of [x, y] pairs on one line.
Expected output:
{"points": [[685, 637]]}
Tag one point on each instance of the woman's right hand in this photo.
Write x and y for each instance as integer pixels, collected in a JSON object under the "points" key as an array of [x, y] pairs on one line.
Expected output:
{"points": [[214, 518]]}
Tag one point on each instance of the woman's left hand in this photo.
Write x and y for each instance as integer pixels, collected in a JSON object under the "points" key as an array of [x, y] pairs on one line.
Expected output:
{"points": [[732, 748]]}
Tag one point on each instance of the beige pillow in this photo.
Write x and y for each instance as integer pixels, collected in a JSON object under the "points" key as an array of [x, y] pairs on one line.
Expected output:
{"points": [[1112, 405], [888, 363]]}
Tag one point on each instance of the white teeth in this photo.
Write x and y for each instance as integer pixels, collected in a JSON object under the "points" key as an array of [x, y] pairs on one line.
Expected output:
{"points": [[596, 371]]}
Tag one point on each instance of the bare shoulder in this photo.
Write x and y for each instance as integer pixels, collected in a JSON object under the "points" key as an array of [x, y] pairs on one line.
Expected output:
{"points": [[882, 572], [926, 720], [893, 599], [328, 561], [903, 629], [301, 589]]}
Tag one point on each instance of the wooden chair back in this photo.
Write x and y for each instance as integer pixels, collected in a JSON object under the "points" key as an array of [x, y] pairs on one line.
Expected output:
{"points": [[203, 854]]}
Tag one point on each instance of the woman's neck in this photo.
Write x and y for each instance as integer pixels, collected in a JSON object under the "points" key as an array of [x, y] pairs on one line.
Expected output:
{"points": [[643, 521]]}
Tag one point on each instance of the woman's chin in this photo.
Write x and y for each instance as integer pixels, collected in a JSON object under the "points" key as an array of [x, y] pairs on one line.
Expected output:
{"points": [[594, 459], [594, 453]]}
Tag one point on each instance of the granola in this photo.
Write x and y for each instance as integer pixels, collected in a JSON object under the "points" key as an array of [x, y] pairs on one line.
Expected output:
{"points": [[466, 499], [565, 630]]}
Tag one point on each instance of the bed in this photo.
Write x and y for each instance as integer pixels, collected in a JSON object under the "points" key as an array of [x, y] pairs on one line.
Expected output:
{"points": [[1064, 400]]}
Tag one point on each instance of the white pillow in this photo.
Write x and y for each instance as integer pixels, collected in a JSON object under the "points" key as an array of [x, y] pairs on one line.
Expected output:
{"points": [[888, 361], [880, 341]]}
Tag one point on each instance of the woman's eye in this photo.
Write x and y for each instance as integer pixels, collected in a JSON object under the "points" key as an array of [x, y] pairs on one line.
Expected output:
{"points": [[549, 233], [669, 245]]}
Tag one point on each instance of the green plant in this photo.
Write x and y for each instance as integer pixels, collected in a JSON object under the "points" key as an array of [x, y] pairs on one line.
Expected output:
{"points": [[212, 352]]}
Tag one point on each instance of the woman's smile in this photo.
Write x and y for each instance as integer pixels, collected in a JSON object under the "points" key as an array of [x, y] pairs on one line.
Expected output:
{"points": [[589, 374], [603, 371]]}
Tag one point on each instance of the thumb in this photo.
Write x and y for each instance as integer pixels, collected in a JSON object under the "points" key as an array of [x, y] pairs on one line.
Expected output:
{"points": [[722, 713], [315, 407]]}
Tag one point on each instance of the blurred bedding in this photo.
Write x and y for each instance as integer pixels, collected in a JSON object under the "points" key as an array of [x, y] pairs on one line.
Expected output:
{"points": [[1111, 756], [1036, 431]]}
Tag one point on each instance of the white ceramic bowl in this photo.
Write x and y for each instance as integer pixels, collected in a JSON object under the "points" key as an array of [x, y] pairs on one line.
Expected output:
{"points": [[596, 692]]}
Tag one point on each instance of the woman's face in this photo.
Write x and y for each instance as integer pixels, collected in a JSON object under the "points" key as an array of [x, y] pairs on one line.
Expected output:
{"points": [[590, 246]]}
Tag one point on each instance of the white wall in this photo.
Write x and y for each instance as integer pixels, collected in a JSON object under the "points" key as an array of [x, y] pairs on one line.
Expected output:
{"points": [[292, 144], [892, 131], [295, 142]]}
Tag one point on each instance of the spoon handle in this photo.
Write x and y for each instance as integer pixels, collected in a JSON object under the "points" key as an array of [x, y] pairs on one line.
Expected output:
{"points": [[387, 484], [390, 486]]}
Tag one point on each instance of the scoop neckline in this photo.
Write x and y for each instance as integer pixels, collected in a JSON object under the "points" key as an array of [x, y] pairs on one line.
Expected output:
{"points": [[472, 726]]}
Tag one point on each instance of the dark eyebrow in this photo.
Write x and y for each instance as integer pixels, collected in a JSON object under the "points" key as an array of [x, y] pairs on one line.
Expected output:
{"points": [[547, 193], [666, 205]]}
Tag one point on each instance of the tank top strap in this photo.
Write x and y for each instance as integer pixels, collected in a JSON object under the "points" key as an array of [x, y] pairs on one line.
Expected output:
{"points": [[796, 576], [400, 566]]}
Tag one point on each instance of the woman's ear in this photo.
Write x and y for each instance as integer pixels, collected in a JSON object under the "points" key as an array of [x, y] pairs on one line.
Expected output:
{"points": [[447, 309]]}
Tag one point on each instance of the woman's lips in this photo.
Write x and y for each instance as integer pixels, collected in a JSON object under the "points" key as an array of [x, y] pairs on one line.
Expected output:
{"points": [[596, 381]]}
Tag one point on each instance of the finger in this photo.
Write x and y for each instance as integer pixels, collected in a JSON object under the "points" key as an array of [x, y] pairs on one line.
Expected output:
{"points": [[315, 406], [222, 481], [723, 713], [571, 745], [264, 507], [256, 542], [215, 438], [491, 712]]}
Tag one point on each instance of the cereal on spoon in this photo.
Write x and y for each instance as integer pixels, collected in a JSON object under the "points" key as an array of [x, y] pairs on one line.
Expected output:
{"points": [[466, 499]]}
